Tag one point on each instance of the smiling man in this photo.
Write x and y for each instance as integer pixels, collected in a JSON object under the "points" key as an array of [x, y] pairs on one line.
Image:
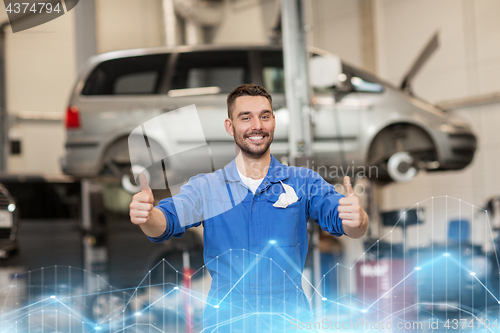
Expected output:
{"points": [[254, 212]]}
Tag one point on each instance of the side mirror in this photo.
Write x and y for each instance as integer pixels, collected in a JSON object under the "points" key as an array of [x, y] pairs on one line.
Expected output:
{"points": [[324, 71]]}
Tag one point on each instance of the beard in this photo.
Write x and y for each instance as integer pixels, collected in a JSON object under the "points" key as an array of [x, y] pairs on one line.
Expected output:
{"points": [[250, 149]]}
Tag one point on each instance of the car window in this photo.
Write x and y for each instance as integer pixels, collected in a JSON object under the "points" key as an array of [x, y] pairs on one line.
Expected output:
{"points": [[137, 83], [363, 85], [127, 76], [274, 79], [273, 72], [361, 81], [222, 69]]}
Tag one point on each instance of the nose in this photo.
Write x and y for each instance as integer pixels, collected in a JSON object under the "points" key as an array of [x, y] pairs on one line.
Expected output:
{"points": [[256, 124]]}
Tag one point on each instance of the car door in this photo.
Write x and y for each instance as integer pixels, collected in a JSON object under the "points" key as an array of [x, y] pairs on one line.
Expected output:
{"points": [[118, 95], [370, 95], [337, 125], [336, 120], [205, 78]]}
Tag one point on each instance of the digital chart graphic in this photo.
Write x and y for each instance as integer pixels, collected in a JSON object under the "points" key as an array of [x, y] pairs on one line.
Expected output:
{"points": [[445, 278]]}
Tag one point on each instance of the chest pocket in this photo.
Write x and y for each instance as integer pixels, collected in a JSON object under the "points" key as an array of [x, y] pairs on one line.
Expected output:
{"points": [[283, 223]]}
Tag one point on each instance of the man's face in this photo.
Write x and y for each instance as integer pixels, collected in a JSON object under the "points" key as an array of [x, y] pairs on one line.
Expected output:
{"points": [[252, 125]]}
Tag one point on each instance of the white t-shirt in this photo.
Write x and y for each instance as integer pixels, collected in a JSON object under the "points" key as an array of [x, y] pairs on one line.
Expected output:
{"points": [[253, 184]]}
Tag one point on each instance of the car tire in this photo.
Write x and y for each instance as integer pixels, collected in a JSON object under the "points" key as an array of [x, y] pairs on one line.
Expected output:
{"points": [[126, 178], [116, 162], [398, 152], [401, 168]]}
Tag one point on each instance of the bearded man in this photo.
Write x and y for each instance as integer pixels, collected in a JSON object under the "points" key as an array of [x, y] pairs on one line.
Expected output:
{"points": [[254, 213]]}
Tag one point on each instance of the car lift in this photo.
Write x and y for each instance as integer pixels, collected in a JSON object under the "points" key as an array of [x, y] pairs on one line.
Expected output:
{"points": [[298, 103]]}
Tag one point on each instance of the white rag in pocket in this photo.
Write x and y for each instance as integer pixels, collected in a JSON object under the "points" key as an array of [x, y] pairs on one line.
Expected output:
{"points": [[287, 198]]}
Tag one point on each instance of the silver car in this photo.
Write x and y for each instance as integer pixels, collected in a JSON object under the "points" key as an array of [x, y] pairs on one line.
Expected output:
{"points": [[362, 124]]}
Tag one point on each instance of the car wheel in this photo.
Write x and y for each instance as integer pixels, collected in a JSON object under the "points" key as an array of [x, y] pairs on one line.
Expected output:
{"points": [[116, 163], [398, 152], [400, 167], [127, 176]]}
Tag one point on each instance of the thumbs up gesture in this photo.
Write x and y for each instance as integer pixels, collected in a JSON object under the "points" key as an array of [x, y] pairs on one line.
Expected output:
{"points": [[354, 219], [142, 203]]}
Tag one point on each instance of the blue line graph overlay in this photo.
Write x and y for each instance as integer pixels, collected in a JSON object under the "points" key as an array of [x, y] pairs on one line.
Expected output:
{"points": [[434, 279]]}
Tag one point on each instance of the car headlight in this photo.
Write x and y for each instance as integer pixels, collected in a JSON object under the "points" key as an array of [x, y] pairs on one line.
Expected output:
{"points": [[457, 121], [11, 207], [448, 128]]}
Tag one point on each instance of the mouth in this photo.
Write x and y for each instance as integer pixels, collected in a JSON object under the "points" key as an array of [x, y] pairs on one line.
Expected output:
{"points": [[256, 138]]}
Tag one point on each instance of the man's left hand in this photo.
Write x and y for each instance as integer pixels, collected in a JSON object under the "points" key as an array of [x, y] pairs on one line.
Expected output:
{"points": [[354, 218]]}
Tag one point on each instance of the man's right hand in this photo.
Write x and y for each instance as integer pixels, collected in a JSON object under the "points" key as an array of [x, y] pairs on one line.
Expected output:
{"points": [[142, 203]]}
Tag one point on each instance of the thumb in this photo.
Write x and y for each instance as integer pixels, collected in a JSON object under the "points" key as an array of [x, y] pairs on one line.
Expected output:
{"points": [[144, 182], [348, 187]]}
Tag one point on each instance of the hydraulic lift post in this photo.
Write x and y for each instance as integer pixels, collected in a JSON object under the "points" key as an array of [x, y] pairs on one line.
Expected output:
{"points": [[298, 102], [95, 253], [296, 80]]}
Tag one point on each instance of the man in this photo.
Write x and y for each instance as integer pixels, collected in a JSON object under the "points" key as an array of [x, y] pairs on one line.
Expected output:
{"points": [[254, 213]]}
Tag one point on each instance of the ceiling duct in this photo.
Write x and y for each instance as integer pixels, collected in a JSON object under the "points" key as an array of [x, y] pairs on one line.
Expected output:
{"points": [[205, 13]]}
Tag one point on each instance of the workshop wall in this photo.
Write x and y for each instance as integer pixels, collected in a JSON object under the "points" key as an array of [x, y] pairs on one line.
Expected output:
{"points": [[336, 28], [41, 72], [127, 24], [249, 16], [466, 64]]}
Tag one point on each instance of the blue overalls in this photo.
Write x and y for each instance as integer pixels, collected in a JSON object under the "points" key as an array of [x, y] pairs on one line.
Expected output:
{"points": [[255, 252]]}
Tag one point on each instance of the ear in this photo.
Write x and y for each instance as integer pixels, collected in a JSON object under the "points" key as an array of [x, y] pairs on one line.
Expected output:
{"points": [[228, 125]]}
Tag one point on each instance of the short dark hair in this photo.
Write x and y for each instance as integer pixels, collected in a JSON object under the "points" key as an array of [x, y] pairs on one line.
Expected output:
{"points": [[249, 89]]}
